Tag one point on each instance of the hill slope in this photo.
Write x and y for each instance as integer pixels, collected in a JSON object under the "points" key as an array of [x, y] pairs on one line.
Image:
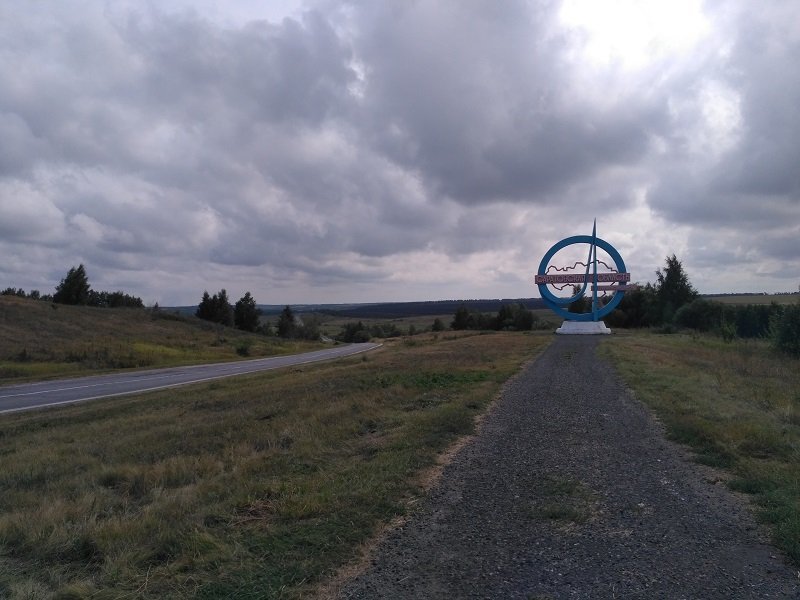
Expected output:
{"points": [[40, 339]]}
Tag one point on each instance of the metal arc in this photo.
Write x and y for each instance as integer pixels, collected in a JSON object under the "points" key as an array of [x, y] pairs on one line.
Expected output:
{"points": [[555, 303]]}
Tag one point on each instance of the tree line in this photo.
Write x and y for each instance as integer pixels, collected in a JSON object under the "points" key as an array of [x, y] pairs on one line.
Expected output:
{"points": [[75, 289], [510, 317], [668, 305], [672, 303]]}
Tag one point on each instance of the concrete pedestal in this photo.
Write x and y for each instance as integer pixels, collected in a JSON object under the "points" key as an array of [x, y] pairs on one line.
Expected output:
{"points": [[583, 328]]}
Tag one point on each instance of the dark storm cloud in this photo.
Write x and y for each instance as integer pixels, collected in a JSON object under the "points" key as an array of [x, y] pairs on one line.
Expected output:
{"points": [[168, 149], [478, 98], [755, 184]]}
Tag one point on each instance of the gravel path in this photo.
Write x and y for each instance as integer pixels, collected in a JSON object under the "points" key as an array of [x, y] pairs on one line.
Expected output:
{"points": [[571, 491]]}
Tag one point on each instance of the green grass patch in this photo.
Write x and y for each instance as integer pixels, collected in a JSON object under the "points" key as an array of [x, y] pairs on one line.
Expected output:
{"points": [[562, 500], [252, 487], [735, 404]]}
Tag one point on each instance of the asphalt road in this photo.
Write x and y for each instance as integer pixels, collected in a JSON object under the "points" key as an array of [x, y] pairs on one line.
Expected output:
{"points": [[31, 396]]}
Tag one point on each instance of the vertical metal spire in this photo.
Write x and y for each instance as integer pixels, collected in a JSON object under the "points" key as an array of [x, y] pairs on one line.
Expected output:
{"points": [[594, 270]]}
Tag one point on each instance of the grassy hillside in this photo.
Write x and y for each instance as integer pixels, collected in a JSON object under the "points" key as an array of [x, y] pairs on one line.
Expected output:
{"points": [[41, 339]]}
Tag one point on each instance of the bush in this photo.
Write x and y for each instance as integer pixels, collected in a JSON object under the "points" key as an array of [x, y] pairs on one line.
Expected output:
{"points": [[243, 347], [786, 330], [515, 317], [700, 314], [728, 331], [638, 308], [351, 330], [753, 321], [361, 336]]}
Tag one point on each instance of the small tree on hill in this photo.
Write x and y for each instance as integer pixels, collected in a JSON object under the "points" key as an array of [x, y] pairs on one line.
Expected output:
{"points": [[215, 308], [461, 318], [224, 310], [205, 309], [246, 313], [673, 289], [74, 288], [286, 323]]}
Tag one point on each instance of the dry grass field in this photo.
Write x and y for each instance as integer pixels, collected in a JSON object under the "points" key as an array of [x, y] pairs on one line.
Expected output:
{"points": [[252, 487], [737, 405]]}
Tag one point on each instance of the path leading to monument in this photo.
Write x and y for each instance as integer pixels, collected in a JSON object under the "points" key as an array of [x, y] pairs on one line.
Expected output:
{"points": [[571, 491]]}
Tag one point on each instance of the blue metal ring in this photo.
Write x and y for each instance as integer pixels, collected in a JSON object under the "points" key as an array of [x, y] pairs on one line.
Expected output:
{"points": [[555, 303]]}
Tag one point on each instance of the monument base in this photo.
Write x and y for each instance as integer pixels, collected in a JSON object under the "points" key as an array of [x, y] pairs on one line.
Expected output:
{"points": [[583, 328]]}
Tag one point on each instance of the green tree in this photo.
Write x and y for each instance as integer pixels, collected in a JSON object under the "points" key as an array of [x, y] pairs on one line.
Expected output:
{"points": [[205, 310], [514, 317], [286, 323], [352, 332], [582, 304], [223, 309], [700, 314], [673, 289], [74, 288], [461, 318], [215, 308], [246, 313], [438, 325], [786, 336], [116, 299]]}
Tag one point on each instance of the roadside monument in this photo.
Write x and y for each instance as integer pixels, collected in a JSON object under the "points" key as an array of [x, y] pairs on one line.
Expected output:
{"points": [[608, 285]]}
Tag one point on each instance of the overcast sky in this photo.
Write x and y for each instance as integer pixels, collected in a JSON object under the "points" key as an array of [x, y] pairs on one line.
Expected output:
{"points": [[367, 151]]}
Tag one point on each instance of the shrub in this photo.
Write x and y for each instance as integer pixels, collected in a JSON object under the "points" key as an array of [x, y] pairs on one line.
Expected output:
{"points": [[786, 330], [700, 314], [243, 347], [728, 331], [361, 336], [514, 317], [351, 330]]}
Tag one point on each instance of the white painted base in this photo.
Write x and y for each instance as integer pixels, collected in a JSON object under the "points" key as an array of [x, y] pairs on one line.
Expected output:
{"points": [[583, 328]]}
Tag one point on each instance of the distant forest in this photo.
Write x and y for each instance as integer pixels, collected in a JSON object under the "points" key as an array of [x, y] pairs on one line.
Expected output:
{"points": [[398, 310]]}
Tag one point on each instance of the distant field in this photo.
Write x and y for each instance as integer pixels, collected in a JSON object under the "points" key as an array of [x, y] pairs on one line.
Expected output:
{"points": [[756, 299], [40, 339], [253, 487]]}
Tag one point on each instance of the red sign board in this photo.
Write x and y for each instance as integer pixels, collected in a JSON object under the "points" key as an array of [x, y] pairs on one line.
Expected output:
{"points": [[582, 278]]}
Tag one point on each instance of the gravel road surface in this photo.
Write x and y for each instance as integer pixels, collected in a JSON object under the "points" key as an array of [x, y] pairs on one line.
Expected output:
{"points": [[571, 491]]}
